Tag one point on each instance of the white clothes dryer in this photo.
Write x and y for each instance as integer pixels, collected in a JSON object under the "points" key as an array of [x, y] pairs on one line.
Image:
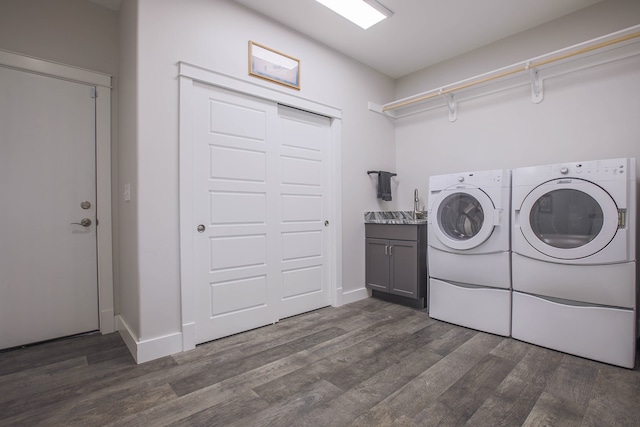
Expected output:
{"points": [[574, 258], [469, 249]]}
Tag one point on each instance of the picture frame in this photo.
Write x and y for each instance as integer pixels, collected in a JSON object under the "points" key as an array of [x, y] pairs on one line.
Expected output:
{"points": [[277, 67]]}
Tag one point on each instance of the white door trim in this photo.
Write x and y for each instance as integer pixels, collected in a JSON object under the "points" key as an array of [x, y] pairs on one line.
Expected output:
{"points": [[188, 75], [102, 82]]}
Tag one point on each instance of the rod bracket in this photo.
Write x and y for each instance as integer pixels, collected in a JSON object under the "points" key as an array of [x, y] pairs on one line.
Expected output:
{"points": [[537, 93], [375, 108], [451, 105]]}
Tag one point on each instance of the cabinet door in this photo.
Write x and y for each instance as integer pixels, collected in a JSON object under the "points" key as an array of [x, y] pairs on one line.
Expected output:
{"points": [[404, 268], [377, 264]]}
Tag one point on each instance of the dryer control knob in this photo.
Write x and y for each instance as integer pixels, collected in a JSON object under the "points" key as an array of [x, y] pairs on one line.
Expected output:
{"points": [[564, 170], [461, 178]]}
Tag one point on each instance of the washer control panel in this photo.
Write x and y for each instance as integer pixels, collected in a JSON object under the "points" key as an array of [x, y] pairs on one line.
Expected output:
{"points": [[480, 178]]}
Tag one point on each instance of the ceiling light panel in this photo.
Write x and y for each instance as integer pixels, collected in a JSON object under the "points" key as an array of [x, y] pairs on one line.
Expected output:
{"points": [[357, 11]]}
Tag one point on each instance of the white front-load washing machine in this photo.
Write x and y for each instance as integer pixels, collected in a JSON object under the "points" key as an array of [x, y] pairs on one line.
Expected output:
{"points": [[573, 260], [469, 250]]}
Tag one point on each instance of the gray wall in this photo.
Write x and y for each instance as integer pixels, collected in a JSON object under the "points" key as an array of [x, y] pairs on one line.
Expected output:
{"points": [[129, 292], [72, 32]]}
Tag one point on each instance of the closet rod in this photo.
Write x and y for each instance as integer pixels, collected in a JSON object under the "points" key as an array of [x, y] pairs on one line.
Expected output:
{"points": [[522, 67]]}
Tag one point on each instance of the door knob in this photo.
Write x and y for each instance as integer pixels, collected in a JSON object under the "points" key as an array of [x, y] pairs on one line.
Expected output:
{"points": [[201, 228], [85, 222]]}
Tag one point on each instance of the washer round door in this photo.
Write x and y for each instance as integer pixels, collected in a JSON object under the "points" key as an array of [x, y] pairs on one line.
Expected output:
{"points": [[464, 217], [568, 218]]}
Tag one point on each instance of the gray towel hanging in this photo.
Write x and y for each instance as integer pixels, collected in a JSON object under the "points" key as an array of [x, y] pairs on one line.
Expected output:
{"points": [[384, 184]]}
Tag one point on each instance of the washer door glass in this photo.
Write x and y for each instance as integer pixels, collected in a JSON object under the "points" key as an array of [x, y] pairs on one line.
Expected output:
{"points": [[460, 216], [569, 218], [464, 217]]}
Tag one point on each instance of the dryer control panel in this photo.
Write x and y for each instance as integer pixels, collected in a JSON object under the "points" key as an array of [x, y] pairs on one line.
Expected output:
{"points": [[593, 170], [596, 170]]}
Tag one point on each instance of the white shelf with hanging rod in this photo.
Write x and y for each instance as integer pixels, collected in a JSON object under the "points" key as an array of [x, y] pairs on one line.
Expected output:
{"points": [[527, 72]]}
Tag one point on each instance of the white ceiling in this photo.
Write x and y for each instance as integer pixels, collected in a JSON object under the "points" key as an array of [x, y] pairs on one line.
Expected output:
{"points": [[421, 32]]}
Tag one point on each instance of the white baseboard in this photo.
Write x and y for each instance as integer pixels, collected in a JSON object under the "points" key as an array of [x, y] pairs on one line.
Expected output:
{"points": [[355, 295], [337, 298], [188, 336], [107, 322], [155, 348], [129, 338]]}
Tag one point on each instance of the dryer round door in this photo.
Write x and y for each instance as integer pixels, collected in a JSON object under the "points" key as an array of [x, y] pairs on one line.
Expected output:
{"points": [[568, 218], [464, 217]]}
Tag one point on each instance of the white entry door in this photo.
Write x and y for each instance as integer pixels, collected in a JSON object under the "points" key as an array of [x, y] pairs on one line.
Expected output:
{"points": [[259, 203], [48, 266]]}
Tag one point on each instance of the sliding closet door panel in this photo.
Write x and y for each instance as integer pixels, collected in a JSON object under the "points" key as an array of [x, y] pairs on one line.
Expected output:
{"points": [[236, 272], [304, 162]]}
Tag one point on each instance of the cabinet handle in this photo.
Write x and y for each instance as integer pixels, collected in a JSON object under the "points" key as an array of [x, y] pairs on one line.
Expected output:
{"points": [[386, 250], [390, 248]]}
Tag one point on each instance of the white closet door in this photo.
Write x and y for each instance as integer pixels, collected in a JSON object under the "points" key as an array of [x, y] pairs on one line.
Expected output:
{"points": [[304, 182], [48, 267], [260, 182], [234, 174]]}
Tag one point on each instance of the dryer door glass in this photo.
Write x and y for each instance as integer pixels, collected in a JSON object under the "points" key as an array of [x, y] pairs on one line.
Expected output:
{"points": [[460, 216], [566, 218]]}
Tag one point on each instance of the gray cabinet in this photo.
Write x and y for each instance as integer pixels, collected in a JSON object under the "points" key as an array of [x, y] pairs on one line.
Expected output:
{"points": [[396, 262]]}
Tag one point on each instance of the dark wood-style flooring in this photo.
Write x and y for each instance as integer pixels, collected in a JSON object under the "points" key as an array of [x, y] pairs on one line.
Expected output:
{"points": [[370, 363]]}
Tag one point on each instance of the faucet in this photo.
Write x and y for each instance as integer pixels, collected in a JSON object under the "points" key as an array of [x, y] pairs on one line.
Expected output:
{"points": [[417, 213]]}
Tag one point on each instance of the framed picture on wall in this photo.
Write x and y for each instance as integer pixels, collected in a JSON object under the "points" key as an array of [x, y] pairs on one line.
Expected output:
{"points": [[274, 66]]}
